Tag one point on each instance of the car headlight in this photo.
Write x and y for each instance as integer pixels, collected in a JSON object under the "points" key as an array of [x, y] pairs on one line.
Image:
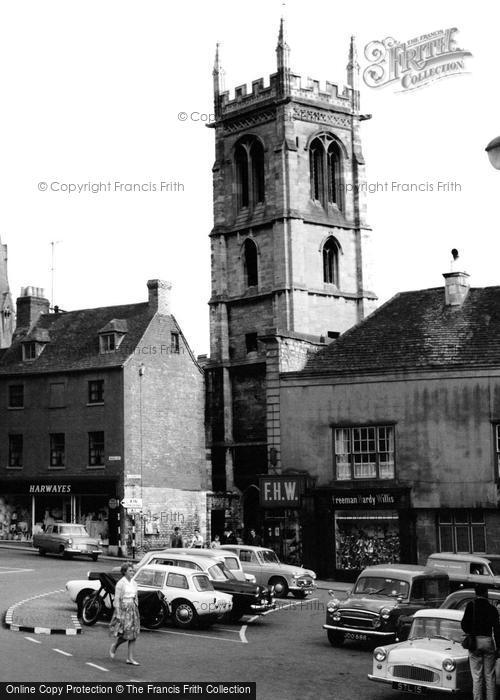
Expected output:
{"points": [[449, 665], [250, 578], [385, 613], [380, 654], [70, 541], [333, 605]]}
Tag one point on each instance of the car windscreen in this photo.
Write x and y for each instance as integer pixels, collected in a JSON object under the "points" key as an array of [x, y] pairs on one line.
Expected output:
{"points": [[149, 577], [75, 530], [216, 573], [382, 585], [267, 556], [232, 563], [436, 627], [202, 583]]}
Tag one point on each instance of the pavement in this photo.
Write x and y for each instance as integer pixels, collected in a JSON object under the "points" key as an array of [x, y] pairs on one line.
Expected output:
{"points": [[54, 613]]}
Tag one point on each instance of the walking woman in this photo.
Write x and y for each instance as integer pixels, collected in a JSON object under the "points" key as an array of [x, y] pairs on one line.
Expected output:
{"points": [[481, 621], [125, 623]]}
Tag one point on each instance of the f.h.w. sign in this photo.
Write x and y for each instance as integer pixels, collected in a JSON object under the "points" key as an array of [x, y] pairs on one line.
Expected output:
{"points": [[281, 491]]}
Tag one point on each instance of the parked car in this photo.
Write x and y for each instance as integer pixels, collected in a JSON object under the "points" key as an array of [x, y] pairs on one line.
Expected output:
{"points": [[269, 571], [465, 570], [66, 539], [231, 560], [382, 603], [459, 599], [189, 593], [431, 659], [248, 598]]}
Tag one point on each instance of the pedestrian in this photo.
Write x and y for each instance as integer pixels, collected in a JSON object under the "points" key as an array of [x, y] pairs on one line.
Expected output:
{"points": [[215, 543], [254, 539], [196, 539], [125, 623], [228, 537], [176, 539], [482, 623]]}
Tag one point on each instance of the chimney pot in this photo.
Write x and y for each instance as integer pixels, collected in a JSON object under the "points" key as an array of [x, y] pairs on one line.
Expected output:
{"points": [[456, 282], [30, 306], [159, 296]]}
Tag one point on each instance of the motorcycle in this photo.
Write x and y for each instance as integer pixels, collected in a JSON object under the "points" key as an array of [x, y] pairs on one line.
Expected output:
{"points": [[153, 607]]}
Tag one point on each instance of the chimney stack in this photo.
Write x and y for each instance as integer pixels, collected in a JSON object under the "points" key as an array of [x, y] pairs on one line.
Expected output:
{"points": [[456, 282], [30, 306], [159, 296]]}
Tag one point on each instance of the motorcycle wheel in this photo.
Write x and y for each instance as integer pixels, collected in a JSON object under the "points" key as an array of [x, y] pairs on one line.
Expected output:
{"points": [[91, 610], [155, 620]]}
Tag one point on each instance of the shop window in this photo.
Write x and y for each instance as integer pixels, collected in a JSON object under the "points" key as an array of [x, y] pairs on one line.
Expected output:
{"points": [[16, 451], [57, 398], [462, 531], [57, 450], [363, 539], [174, 343], [364, 453], [16, 396], [96, 390], [96, 449]]}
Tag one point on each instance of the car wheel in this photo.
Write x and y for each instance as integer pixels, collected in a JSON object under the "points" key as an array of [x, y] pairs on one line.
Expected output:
{"points": [[91, 609], [280, 587], [184, 615], [299, 594], [336, 639], [41, 551], [66, 555], [94, 557]]}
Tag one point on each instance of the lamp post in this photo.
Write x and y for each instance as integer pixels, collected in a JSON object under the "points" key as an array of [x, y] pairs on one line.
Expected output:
{"points": [[493, 151]]}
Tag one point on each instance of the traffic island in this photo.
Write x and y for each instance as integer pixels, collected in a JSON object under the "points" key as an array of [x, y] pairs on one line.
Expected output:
{"points": [[46, 613]]}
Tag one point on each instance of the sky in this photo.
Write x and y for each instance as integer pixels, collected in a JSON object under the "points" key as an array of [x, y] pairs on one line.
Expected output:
{"points": [[92, 92]]}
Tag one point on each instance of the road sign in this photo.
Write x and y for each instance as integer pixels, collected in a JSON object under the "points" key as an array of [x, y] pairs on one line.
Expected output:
{"points": [[132, 503], [113, 503]]}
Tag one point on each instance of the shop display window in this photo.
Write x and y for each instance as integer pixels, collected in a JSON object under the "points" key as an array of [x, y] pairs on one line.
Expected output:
{"points": [[363, 539]]}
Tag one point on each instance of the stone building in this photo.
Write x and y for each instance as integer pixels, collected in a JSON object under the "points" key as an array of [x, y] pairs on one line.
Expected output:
{"points": [[290, 264], [98, 405], [396, 425]]}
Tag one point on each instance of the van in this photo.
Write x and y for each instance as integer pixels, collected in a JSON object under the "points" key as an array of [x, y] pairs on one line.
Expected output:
{"points": [[465, 570]]}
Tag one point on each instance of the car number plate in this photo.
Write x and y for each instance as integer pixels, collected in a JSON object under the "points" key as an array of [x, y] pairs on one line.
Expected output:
{"points": [[408, 687], [356, 635]]}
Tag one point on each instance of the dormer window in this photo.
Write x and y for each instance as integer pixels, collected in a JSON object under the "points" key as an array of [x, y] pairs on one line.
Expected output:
{"points": [[34, 343], [29, 351], [112, 335]]}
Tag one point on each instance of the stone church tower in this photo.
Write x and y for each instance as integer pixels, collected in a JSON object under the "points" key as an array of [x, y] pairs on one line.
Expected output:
{"points": [[289, 255], [6, 306]]}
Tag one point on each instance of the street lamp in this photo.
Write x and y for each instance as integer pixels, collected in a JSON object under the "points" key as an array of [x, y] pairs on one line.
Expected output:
{"points": [[493, 151]]}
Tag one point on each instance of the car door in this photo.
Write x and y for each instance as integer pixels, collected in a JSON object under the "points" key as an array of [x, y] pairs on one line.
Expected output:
{"points": [[251, 565]]}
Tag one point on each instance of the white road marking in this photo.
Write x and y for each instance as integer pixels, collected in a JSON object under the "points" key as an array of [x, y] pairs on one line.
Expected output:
{"points": [[101, 668], [36, 641], [290, 605], [252, 619], [198, 636], [14, 571], [227, 629], [60, 651], [242, 634]]}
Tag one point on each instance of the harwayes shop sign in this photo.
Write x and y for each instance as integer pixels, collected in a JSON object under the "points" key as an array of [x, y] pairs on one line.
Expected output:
{"points": [[50, 488]]}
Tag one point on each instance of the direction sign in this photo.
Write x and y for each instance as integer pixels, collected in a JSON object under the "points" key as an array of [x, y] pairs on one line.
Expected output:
{"points": [[132, 503]]}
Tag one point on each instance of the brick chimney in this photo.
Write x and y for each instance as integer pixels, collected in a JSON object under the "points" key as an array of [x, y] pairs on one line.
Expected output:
{"points": [[159, 296], [30, 305], [456, 282]]}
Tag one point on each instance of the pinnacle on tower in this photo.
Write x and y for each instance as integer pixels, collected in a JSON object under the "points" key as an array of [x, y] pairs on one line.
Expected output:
{"points": [[353, 71], [218, 76], [283, 59], [6, 307]]}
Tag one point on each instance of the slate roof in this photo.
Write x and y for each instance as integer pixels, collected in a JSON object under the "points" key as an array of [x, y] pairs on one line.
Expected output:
{"points": [[416, 330], [74, 340]]}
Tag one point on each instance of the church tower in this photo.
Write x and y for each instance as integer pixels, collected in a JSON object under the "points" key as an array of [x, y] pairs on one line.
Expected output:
{"points": [[6, 307], [289, 254]]}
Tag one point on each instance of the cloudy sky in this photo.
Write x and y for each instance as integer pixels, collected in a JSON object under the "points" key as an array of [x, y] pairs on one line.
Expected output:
{"points": [[91, 93]]}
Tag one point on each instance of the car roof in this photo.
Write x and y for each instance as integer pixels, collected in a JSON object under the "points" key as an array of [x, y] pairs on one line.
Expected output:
{"points": [[191, 552], [442, 613], [410, 570], [451, 556], [246, 546], [180, 554], [493, 594], [173, 569]]}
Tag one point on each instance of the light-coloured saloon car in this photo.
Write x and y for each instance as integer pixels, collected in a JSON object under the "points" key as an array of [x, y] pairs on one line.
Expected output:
{"points": [[264, 564], [432, 658]]}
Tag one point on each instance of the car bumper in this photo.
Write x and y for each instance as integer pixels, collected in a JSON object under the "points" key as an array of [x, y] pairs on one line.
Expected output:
{"points": [[427, 686], [303, 589], [261, 608], [356, 630], [80, 550]]}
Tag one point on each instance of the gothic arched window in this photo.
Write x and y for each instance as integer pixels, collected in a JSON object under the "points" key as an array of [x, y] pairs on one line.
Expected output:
{"points": [[249, 161], [331, 261], [250, 262], [325, 162]]}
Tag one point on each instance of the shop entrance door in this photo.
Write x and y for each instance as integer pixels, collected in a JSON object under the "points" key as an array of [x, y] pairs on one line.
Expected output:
{"points": [[282, 534], [50, 508]]}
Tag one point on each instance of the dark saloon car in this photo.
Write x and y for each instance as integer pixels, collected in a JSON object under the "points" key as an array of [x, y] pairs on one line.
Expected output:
{"points": [[459, 599], [248, 598], [381, 605]]}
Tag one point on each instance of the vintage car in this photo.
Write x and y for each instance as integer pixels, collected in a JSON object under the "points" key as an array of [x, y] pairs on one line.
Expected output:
{"points": [[248, 598], [269, 571], [66, 539], [189, 593], [459, 599], [465, 570], [382, 602], [231, 560], [432, 659]]}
